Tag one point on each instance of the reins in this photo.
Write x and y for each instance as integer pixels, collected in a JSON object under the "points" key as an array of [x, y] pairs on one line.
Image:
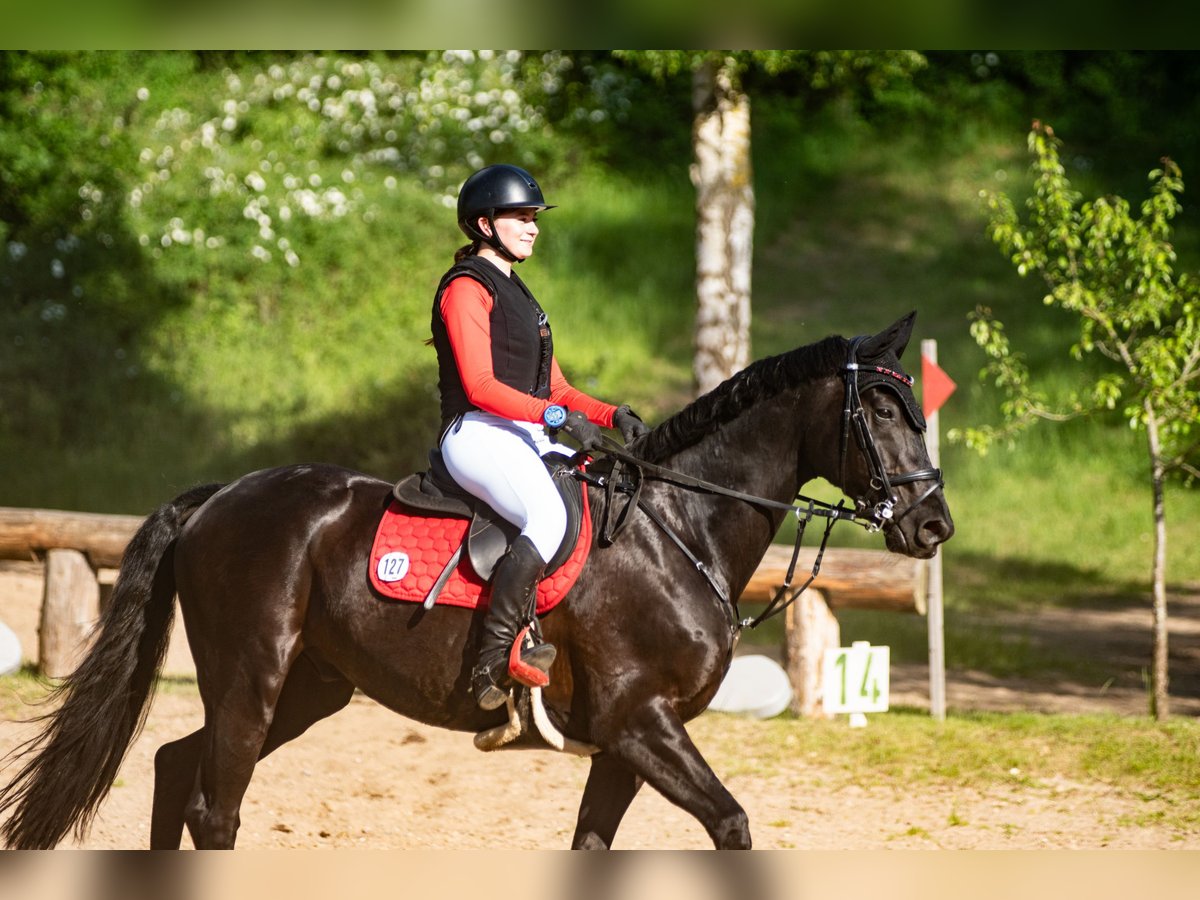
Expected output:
{"points": [[873, 518], [804, 512]]}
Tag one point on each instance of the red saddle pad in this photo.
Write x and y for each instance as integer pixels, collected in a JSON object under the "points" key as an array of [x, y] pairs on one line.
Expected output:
{"points": [[411, 550]]}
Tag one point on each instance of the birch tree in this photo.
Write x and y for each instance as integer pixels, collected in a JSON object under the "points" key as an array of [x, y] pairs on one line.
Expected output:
{"points": [[722, 175], [1116, 272]]}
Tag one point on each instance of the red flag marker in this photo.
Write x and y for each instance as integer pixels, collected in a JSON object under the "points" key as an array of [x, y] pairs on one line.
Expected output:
{"points": [[936, 386]]}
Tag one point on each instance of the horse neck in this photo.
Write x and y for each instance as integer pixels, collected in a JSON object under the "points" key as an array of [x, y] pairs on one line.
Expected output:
{"points": [[766, 451]]}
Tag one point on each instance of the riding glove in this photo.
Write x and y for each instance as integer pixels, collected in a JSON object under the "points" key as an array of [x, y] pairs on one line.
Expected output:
{"points": [[584, 433], [630, 423]]}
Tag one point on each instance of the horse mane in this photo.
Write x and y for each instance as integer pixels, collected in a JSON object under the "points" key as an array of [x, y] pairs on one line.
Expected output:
{"points": [[759, 381]]}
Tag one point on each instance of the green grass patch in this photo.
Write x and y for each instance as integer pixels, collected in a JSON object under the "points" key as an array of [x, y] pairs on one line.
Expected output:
{"points": [[1159, 763], [25, 693], [20, 692]]}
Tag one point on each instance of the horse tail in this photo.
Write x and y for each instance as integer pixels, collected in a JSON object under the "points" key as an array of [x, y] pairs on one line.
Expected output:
{"points": [[73, 760]]}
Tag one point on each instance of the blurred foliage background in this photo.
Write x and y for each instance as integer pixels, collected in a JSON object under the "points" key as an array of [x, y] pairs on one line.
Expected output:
{"points": [[212, 262]]}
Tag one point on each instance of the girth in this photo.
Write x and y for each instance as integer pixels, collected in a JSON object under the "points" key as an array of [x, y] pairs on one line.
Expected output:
{"points": [[434, 492]]}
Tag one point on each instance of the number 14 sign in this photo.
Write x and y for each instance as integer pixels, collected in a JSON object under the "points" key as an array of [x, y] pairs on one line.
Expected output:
{"points": [[856, 679]]}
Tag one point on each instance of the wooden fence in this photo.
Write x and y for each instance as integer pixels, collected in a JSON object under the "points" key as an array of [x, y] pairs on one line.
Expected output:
{"points": [[74, 547]]}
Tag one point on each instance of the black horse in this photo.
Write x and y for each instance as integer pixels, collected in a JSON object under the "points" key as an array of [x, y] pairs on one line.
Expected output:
{"points": [[271, 574]]}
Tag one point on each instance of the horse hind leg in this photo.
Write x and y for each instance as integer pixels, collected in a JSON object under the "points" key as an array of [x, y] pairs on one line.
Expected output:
{"points": [[310, 693], [175, 767]]}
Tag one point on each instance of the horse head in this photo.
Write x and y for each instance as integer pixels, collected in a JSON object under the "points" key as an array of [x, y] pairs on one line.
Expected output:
{"points": [[883, 462]]}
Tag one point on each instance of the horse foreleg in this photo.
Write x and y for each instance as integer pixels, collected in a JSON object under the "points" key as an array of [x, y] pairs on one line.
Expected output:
{"points": [[611, 787], [654, 744]]}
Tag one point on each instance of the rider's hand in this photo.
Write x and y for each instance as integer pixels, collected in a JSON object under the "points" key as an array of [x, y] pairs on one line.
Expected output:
{"points": [[583, 432], [630, 423]]}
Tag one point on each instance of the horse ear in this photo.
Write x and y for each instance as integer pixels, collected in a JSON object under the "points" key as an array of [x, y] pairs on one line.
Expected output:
{"points": [[895, 338]]}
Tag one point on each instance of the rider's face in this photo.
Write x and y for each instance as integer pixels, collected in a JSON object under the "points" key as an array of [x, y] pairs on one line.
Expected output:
{"points": [[516, 228]]}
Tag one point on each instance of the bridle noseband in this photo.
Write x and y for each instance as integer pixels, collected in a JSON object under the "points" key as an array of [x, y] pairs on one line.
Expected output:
{"points": [[854, 419]]}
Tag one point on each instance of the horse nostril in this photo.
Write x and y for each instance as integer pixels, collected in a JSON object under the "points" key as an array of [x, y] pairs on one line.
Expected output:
{"points": [[935, 531]]}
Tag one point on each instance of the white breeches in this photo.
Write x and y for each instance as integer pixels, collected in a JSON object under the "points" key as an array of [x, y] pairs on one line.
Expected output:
{"points": [[499, 461]]}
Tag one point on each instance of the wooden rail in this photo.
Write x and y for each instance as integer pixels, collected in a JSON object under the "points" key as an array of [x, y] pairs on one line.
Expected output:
{"points": [[850, 579], [29, 533], [75, 545]]}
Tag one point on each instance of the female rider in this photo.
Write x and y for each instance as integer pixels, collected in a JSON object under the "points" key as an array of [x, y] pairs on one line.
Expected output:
{"points": [[500, 388]]}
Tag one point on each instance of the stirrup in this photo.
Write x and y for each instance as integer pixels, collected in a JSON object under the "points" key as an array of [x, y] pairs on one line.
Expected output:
{"points": [[529, 660]]}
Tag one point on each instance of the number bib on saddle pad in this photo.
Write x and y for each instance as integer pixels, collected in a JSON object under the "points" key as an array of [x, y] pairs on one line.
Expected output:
{"points": [[411, 550]]}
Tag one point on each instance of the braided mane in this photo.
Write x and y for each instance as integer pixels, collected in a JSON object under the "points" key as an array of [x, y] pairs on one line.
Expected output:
{"points": [[759, 381]]}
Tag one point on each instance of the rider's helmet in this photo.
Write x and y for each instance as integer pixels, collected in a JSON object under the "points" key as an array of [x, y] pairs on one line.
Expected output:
{"points": [[494, 188]]}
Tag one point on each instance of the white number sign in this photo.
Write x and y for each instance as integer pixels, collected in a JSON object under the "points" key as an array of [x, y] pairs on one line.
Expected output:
{"points": [[856, 679]]}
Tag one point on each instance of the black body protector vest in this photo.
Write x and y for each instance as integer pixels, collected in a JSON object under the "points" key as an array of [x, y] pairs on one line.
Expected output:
{"points": [[522, 346]]}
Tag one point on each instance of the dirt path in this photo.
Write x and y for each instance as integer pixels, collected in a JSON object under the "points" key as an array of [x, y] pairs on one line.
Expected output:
{"points": [[367, 778]]}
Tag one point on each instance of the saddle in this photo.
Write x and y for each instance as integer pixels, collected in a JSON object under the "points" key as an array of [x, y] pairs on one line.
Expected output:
{"points": [[435, 491], [433, 535]]}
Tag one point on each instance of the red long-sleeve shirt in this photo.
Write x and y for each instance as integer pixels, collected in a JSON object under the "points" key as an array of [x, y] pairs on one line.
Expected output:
{"points": [[466, 308]]}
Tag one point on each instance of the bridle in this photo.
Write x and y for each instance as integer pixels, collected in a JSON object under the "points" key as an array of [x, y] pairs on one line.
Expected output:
{"points": [[872, 514], [854, 419]]}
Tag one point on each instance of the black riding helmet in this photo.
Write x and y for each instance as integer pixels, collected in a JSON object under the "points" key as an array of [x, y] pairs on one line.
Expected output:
{"points": [[494, 188]]}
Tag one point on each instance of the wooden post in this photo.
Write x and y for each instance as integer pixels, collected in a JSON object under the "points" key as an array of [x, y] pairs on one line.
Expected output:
{"points": [[70, 607], [811, 628]]}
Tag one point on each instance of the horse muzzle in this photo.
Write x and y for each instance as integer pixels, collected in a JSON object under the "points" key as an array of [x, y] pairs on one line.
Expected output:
{"points": [[923, 527]]}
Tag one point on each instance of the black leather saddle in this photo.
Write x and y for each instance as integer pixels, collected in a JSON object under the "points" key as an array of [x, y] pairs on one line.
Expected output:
{"points": [[435, 492]]}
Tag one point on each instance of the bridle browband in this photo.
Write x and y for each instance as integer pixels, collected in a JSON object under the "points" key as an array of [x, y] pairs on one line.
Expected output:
{"points": [[873, 517]]}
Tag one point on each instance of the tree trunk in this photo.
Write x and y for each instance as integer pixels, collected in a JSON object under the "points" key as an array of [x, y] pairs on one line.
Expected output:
{"points": [[1160, 704], [724, 223]]}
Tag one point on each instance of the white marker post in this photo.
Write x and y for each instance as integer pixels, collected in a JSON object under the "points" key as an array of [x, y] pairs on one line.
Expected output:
{"points": [[936, 386], [856, 681]]}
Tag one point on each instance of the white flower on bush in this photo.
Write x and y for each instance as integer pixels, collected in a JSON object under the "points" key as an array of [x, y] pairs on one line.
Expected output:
{"points": [[435, 119]]}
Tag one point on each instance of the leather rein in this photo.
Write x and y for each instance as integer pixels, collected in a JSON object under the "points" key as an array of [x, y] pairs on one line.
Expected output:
{"points": [[873, 516]]}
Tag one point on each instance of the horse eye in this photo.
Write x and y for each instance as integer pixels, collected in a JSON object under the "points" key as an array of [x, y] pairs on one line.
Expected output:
{"points": [[885, 412]]}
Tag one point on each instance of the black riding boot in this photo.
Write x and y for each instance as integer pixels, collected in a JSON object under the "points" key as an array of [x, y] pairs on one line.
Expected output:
{"points": [[516, 578]]}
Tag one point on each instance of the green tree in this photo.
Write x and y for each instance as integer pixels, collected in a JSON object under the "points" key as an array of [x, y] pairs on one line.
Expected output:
{"points": [[1116, 272], [722, 176]]}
